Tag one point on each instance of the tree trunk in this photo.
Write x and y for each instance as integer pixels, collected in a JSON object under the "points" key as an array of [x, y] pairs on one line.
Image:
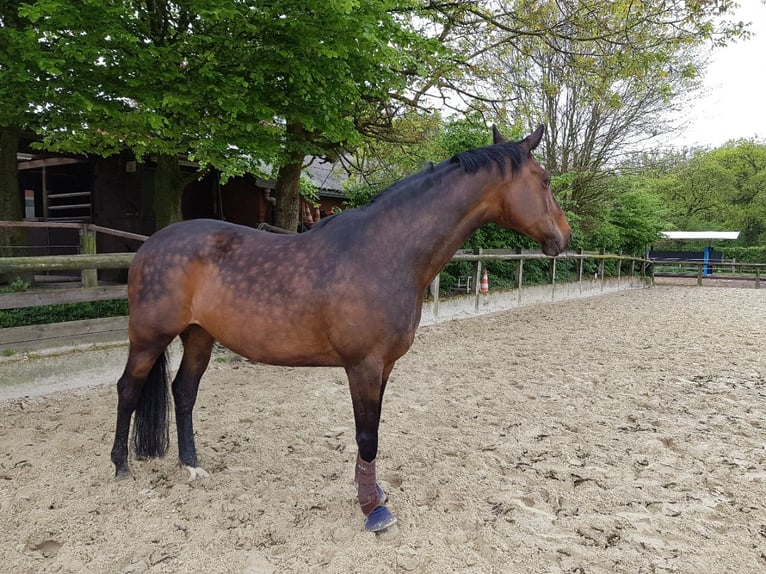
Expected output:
{"points": [[287, 208], [10, 200], [168, 190]]}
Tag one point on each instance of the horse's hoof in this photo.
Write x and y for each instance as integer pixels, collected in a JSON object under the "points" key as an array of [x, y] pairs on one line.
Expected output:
{"points": [[379, 519], [196, 472], [382, 498], [122, 474]]}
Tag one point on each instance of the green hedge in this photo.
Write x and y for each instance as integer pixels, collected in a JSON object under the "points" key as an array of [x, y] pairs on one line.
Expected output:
{"points": [[44, 314], [744, 254], [64, 312]]}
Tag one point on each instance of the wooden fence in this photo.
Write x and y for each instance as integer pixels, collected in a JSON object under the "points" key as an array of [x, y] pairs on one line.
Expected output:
{"points": [[707, 271], [638, 266], [88, 262]]}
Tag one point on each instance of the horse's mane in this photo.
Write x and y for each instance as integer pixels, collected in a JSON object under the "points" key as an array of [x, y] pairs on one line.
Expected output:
{"points": [[473, 160], [470, 161]]}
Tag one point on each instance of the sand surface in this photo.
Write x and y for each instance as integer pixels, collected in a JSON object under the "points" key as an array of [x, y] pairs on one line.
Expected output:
{"points": [[624, 433]]}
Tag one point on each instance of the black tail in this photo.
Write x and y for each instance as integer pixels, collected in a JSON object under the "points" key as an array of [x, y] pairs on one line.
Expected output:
{"points": [[150, 429]]}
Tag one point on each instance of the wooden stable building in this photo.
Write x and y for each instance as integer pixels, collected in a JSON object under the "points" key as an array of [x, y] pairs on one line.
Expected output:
{"points": [[118, 192]]}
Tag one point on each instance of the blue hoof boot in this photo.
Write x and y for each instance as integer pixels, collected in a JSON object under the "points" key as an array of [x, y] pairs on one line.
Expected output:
{"points": [[381, 495], [379, 519]]}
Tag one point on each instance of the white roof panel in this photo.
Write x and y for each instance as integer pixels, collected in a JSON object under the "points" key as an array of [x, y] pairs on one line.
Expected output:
{"points": [[700, 235]]}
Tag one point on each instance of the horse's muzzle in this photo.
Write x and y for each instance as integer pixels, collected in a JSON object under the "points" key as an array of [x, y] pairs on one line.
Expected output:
{"points": [[552, 246]]}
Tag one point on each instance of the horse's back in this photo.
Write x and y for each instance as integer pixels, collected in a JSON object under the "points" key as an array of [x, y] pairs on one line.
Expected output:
{"points": [[193, 237], [196, 260]]}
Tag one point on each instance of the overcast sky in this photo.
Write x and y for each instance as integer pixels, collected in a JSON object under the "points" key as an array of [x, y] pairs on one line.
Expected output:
{"points": [[734, 104]]}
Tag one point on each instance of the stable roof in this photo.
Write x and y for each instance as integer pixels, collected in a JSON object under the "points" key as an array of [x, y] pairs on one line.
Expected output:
{"points": [[699, 235]]}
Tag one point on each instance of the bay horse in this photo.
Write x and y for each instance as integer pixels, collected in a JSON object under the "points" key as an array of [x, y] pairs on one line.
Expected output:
{"points": [[348, 293]]}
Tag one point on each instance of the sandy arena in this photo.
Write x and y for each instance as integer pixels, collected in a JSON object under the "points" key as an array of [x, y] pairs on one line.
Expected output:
{"points": [[624, 433]]}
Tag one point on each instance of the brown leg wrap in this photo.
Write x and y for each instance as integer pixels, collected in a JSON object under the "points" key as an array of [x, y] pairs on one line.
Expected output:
{"points": [[366, 491]]}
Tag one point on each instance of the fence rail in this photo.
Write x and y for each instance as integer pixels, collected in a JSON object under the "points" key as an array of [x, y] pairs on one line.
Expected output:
{"points": [[80, 262], [37, 298], [85, 227], [710, 270]]}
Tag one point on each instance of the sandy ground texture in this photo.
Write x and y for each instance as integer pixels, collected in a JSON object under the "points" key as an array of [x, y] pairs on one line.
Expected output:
{"points": [[623, 433]]}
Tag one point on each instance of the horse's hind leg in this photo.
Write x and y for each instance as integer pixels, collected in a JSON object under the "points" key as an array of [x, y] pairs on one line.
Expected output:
{"points": [[144, 362], [198, 345], [367, 382]]}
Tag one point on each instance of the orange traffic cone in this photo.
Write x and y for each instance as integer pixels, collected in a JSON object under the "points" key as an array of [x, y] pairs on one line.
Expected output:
{"points": [[484, 287]]}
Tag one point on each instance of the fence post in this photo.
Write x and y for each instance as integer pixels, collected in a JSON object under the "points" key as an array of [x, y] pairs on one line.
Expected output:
{"points": [[699, 275], [757, 277], [477, 278], [435, 293], [619, 270], [519, 276], [553, 278], [88, 277], [601, 267]]}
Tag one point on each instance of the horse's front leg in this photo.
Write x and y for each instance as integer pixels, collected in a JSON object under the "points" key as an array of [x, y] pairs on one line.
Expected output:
{"points": [[367, 382]]}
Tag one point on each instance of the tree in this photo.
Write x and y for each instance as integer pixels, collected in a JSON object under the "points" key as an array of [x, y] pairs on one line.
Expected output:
{"points": [[10, 206], [333, 83], [696, 193], [603, 75], [745, 160], [233, 83], [720, 189], [158, 77], [153, 76], [637, 213], [16, 116], [414, 140]]}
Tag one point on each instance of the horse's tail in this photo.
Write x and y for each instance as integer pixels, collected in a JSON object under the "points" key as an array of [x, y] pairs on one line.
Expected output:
{"points": [[150, 430]]}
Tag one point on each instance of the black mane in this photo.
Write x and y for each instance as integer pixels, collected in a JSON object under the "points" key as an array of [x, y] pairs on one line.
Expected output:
{"points": [[474, 160], [470, 161]]}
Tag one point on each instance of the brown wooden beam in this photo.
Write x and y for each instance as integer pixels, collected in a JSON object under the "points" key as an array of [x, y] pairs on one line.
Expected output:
{"points": [[48, 162]]}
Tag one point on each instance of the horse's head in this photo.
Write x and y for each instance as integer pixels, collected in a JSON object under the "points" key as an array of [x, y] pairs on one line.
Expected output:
{"points": [[527, 204]]}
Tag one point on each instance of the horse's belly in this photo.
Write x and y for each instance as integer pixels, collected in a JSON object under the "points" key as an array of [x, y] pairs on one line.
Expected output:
{"points": [[292, 330], [275, 346]]}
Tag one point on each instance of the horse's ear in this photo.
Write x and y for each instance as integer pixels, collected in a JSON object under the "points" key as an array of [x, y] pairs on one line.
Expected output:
{"points": [[497, 137], [533, 140]]}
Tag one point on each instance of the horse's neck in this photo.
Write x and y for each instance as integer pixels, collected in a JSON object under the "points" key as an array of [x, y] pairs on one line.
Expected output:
{"points": [[430, 224]]}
